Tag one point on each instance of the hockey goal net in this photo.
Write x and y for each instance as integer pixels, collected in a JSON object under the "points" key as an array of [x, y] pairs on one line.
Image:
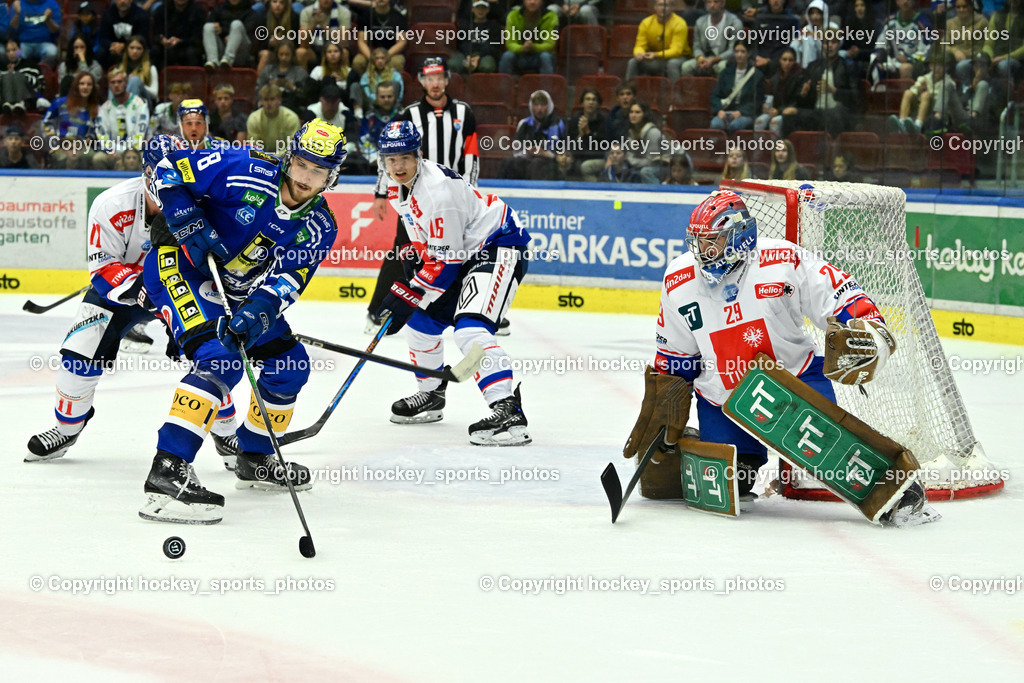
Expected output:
{"points": [[914, 400]]}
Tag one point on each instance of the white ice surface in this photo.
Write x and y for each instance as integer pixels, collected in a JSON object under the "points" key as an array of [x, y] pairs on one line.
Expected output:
{"points": [[406, 560]]}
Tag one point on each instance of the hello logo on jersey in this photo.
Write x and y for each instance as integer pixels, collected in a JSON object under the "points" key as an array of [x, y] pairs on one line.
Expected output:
{"points": [[773, 290], [736, 347]]}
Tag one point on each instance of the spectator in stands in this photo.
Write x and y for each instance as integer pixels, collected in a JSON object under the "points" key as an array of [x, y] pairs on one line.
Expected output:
{"points": [[79, 58], [783, 165], [544, 129], [775, 29], [576, 12], [331, 109], [87, 25], [334, 66], [646, 148], [661, 44], [588, 129], [827, 94], [618, 117], [479, 40], [736, 166], [1005, 44], [976, 97], [531, 35], [680, 170], [784, 94], [130, 161], [616, 168], [225, 122], [842, 170], [378, 71], [738, 95], [712, 49], [20, 81], [382, 26], [121, 21], [122, 122], [13, 153], [860, 31], [277, 17], [37, 25], [286, 75], [271, 126], [165, 116], [566, 166], [935, 100], [325, 22], [226, 34], [691, 11], [965, 37], [73, 118], [175, 38], [903, 45], [383, 110], [142, 77], [807, 44]]}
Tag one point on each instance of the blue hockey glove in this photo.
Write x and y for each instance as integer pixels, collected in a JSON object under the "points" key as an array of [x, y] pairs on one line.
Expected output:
{"points": [[250, 321], [197, 238], [401, 302]]}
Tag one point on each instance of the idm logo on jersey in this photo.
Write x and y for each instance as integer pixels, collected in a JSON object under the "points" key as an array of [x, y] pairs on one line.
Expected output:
{"points": [[245, 215]]}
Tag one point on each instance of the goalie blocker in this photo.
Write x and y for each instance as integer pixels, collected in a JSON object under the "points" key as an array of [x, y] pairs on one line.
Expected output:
{"points": [[856, 463]]}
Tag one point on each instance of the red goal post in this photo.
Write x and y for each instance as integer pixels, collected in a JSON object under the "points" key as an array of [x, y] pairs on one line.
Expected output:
{"points": [[914, 400]]}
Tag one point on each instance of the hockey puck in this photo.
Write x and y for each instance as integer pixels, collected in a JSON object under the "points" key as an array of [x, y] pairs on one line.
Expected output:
{"points": [[174, 547]]}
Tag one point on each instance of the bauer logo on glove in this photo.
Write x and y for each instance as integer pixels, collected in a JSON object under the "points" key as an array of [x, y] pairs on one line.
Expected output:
{"points": [[854, 352]]}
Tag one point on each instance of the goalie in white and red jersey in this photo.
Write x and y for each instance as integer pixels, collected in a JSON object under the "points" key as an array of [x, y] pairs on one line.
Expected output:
{"points": [[732, 296], [120, 219]]}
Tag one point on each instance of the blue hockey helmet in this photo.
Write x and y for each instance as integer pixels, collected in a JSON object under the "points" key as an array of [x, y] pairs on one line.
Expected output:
{"points": [[319, 143], [193, 106], [721, 234], [399, 137]]}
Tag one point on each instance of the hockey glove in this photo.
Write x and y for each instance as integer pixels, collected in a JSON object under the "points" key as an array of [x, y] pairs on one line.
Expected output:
{"points": [[401, 302], [247, 325], [197, 238], [855, 352], [666, 402], [411, 261]]}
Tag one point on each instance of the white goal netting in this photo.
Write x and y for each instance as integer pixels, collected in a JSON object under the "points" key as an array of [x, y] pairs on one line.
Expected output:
{"points": [[914, 400]]}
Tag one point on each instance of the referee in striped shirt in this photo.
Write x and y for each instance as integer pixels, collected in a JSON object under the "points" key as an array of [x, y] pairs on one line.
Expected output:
{"points": [[448, 129]]}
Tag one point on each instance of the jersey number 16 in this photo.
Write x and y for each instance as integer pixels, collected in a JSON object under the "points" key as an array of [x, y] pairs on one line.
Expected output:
{"points": [[437, 228]]}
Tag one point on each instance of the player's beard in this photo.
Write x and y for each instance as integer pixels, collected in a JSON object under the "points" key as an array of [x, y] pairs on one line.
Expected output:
{"points": [[299, 192]]}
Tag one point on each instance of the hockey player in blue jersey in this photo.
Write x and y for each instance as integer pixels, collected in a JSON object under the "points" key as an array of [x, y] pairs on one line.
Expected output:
{"points": [[465, 263], [265, 223]]}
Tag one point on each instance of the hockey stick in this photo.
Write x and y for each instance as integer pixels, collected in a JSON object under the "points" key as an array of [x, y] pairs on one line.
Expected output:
{"points": [[610, 478], [36, 308], [299, 435], [306, 546], [462, 370]]}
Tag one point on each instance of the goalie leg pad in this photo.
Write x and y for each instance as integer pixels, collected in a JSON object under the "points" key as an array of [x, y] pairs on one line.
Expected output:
{"points": [[661, 479], [709, 477]]}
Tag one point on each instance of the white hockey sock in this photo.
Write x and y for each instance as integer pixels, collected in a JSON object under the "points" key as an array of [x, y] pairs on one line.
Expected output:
{"points": [[426, 350], [74, 399], [495, 375]]}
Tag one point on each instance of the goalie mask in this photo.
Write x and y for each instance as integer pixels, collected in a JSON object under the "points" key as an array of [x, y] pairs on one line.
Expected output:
{"points": [[721, 235]]}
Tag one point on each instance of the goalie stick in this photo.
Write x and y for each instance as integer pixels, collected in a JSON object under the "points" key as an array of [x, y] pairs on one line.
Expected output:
{"points": [[299, 435], [36, 308], [306, 546], [610, 478], [462, 370]]}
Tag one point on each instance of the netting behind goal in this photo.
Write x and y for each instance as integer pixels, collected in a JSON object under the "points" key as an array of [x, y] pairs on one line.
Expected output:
{"points": [[914, 400]]}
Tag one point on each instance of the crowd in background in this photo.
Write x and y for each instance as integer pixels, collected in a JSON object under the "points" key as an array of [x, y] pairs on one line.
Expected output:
{"points": [[91, 71]]}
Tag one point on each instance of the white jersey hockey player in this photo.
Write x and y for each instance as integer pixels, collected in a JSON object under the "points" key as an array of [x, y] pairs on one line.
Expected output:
{"points": [[118, 241], [467, 251], [732, 296]]}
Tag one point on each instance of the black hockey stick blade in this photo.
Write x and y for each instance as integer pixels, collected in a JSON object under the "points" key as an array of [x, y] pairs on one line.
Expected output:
{"points": [[614, 490], [313, 430], [36, 308], [462, 371]]}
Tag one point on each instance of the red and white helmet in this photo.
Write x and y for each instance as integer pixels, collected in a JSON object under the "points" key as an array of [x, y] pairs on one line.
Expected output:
{"points": [[722, 214]]}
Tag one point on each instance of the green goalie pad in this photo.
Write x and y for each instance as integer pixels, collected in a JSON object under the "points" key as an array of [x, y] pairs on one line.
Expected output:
{"points": [[846, 455], [708, 474]]}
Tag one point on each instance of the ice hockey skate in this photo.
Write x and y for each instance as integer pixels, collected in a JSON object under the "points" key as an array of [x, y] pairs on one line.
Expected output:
{"points": [[420, 408], [136, 341], [505, 426], [228, 449], [504, 328], [264, 472], [174, 494], [52, 443], [912, 509]]}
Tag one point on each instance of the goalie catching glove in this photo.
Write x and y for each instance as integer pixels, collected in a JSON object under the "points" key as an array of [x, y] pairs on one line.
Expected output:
{"points": [[855, 352]]}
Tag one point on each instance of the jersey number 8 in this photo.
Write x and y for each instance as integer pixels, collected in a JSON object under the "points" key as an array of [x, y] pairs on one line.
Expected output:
{"points": [[207, 160]]}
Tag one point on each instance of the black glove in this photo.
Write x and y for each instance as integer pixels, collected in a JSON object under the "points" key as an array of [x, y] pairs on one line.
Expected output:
{"points": [[400, 303]]}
